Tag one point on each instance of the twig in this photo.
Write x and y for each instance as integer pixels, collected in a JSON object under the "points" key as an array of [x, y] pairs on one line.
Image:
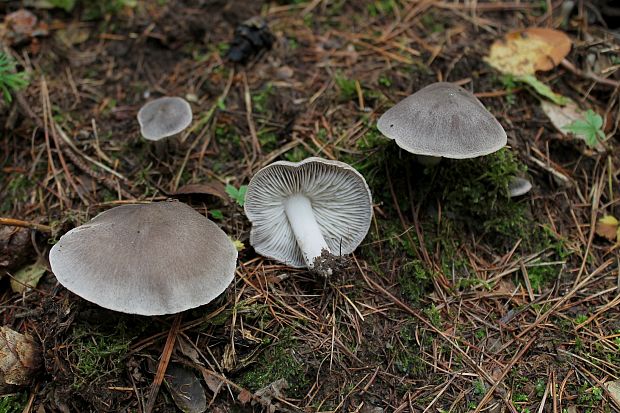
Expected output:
{"points": [[68, 141], [589, 75], [25, 224], [163, 363]]}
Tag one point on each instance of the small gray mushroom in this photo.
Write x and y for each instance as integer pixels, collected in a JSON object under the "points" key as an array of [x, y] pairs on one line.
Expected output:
{"points": [[304, 213], [518, 186], [164, 117], [443, 120], [149, 259]]}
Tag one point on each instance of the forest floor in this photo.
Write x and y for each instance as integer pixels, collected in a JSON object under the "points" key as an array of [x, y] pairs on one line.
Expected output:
{"points": [[460, 298]]}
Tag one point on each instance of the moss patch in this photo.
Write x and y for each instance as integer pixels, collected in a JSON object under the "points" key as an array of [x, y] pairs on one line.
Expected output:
{"points": [[13, 403], [98, 353], [279, 361]]}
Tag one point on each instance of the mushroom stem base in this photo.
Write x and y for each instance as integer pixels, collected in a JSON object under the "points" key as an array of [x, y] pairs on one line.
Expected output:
{"points": [[307, 232]]}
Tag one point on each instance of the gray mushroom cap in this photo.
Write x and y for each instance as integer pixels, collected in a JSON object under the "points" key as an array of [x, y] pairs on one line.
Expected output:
{"points": [[148, 259], [443, 120], [164, 117], [518, 186], [340, 199]]}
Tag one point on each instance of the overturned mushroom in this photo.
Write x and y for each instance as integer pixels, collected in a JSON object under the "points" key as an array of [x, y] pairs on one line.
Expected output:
{"points": [[303, 214], [148, 259], [443, 120], [164, 117]]}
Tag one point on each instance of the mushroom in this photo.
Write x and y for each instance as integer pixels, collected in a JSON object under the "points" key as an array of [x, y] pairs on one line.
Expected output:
{"points": [[164, 117], [149, 259], [518, 186], [304, 214], [443, 120]]}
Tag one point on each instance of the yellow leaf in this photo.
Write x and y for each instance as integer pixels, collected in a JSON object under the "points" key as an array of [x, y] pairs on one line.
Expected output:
{"points": [[27, 277], [239, 245], [609, 220], [607, 227], [523, 52]]}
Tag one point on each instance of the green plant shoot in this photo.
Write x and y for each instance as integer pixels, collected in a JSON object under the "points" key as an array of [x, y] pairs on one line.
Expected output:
{"points": [[590, 128], [10, 80], [237, 195]]}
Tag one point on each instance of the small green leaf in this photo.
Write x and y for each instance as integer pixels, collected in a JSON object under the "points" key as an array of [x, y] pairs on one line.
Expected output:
{"points": [[237, 195], [66, 5], [589, 128], [27, 277], [542, 89], [238, 244], [216, 214], [10, 79]]}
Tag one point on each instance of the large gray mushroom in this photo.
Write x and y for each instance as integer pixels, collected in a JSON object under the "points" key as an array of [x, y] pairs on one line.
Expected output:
{"points": [[149, 259], [164, 117], [443, 120], [304, 213]]}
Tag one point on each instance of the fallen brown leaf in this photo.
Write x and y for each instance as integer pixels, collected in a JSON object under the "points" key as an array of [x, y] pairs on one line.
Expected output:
{"points": [[216, 189], [526, 51], [607, 227]]}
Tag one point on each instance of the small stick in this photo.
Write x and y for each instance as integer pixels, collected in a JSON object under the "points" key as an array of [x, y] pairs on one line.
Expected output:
{"points": [[163, 363], [589, 75], [25, 224]]}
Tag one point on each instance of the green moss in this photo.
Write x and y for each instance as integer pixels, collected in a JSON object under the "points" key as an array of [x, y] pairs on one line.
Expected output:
{"points": [[476, 191], [542, 275], [97, 353], [471, 192], [297, 154], [279, 361], [406, 352], [261, 98], [13, 403], [432, 23], [415, 280], [268, 139], [434, 316], [346, 86], [18, 191]]}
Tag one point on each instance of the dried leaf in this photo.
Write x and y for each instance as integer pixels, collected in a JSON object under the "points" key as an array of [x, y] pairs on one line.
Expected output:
{"points": [[188, 350], [561, 116], [607, 227], [244, 396], [21, 22], [213, 382], [271, 391], [22, 25], [210, 188], [524, 52], [186, 389], [72, 35], [613, 387], [20, 357], [15, 246], [28, 277]]}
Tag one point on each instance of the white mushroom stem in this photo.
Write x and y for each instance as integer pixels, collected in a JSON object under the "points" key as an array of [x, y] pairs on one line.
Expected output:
{"points": [[299, 212]]}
